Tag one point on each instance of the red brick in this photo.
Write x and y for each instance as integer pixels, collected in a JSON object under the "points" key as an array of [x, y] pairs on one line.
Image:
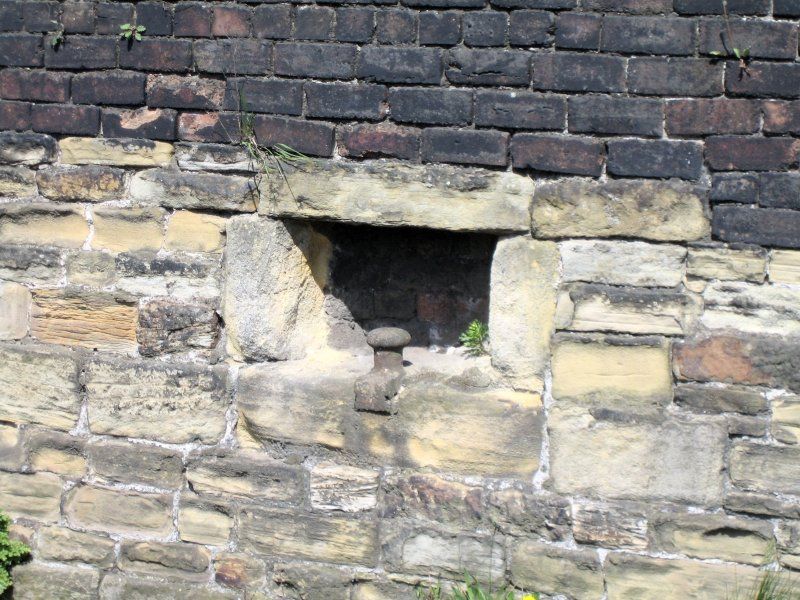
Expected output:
{"points": [[152, 124], [108, 87], [231, 21], [15, 115], [739, 153], [156, 55], [377, 141], [309, 137], [44, 86], [192, 19], [67, 119], [209, 127], [175, 91], [723, 358], [782, 117], [558, 154], [705, 116]]}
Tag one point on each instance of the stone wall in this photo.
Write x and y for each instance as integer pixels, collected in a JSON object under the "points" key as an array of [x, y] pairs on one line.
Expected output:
{"points": [[180, 342]]}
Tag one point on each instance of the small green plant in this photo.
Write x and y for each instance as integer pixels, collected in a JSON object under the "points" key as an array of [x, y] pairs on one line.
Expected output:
{"points": [[472, 590], [12, 552], [732, 50], [771, 585], [57, 37], [131, 31], [475, 338]]}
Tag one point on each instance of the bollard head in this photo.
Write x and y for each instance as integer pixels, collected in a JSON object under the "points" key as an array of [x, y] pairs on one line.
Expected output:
{"points": [[388, 338]]}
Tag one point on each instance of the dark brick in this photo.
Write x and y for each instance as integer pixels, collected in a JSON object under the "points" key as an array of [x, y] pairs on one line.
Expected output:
{"points": [[445, 3], [277, 96], [108, 87], [739, 153], [110, 15], [156, 55], [439, 28], [345, 100], [209, 127], [431, 106], [192, 19], [43, 86], [20, 50], [82, 53], [546, 4], [779, 190], [648, 35], [781, 117], [230, 21], [15, 115], [578, 30], [776, 80], [309, 137], [273, 22], [65, 119], [765, 39], [152, 124], [714, 7], [233, 57], [711, 116], [488, 67], [530, 28], [465, 146], [11, 16], [763, 226], [485, 28], [313, 23], [579, 73], [616, 116], [354, 24], [785, 8], [326, 61], [396, 26], [40, 16], [674, 77], [655, 158], [379, 141], [156, 18], [633, 7], [519, 110], [177, 91], [557, 154], [78, 17], [400, 65], [734, 187]]}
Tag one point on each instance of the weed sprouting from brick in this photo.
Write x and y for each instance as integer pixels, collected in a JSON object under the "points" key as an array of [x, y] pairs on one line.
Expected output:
{"points": [[475, 339]]}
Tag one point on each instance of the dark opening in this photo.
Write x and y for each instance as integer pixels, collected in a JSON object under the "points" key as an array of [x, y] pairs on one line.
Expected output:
{"points": [[431, 283]]}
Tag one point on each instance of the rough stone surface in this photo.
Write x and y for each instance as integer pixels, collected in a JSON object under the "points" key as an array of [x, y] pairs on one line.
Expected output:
{"points": [[43, 224], [204, 522], [186, 560], [65, 545], [550, 570], [119, 585], [82, 184], [620, 525], [752, 308], [17, 182], [727, 264], [15, 303], [26, 148], [37, 496], [765, 468], [120, 462], [118, 152], [190, 231], [116, 511], [784, 267], [128, 230], [786, 419], [56, 452], [708, 399], [34, 581], [166, 326], [174, 189], [343, 488]]}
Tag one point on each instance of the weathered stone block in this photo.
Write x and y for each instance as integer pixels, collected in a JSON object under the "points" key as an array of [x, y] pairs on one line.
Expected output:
{"points": [[119, 511], [65, 545], [642, 459], [427, 496], [56, 452], [34, 581], [761, 309], [275, 272], [395, 194], [166, 326], [43, 224], [553, 570], [195, 232], [761, 504], [94, 320], [622, 262], [93, 269], [17, 182], [128, 229], [205, 191], [82, 184], [122, 152], [31, 264], [189, 561], [26, 148], [653, 210], [522, 512], [184, 278], [765, 468], [122, 462], [727, 264], [786, 419], [524, 279], [238, 570], [326, 538], [119, 585], [39, 387], [153, 400], [714, 399], [784, 266], [204, 521], [12, 454], [621, 525], [315, 582], [34, 496], [15, 301], [212, 157], [343, 487]]}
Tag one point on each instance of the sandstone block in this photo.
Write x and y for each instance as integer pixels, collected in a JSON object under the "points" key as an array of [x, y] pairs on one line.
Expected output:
{"points": [[598, 372], [33, 496], [159, 401], [122, 462], [524, 279], [212, 157], [56, 452], [399, 194], [786, 419], [427, 496], [39, 387], [65, 545], [166, 326], [189, 561], [93, 269], [190, 231], [237, 570], [73, 317], [17, 182], [122, 585], [630, 577], [708, 399], [761, 504], [522, 512], [81, 184], [642, 459], [773, 469], [119, 511], [727, 264], [34, 581], [43, 224], [26, 148], [204, 191], [204, 522], [784, 266], [326, 538], [315, 582], [653, 210], [30, 264], [343, 488], [760, 309], [621, 525], [275, 273], [12, 454], [121, 152], [622, 262], [553, 570], [128, 229], [184, 278], [15, 301]]}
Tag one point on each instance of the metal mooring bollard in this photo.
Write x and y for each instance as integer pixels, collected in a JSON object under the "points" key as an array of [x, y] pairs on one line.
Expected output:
{"points": [[375, 391]]}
